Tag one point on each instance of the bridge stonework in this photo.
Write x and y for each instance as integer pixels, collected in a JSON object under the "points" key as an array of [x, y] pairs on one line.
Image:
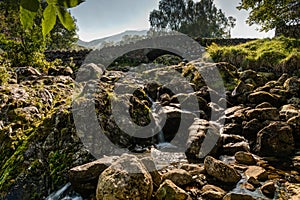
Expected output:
{"points": [[144, 55]]}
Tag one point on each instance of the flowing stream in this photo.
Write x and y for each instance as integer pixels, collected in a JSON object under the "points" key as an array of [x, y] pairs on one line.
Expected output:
{"points": [[65, 193], [162, 144]]}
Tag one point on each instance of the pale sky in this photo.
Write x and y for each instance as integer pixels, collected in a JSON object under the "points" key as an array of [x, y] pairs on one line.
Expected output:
{"points": [[101, 18]]}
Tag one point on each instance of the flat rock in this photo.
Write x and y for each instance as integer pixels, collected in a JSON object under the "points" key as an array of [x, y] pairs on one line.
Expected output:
{"points": [[193, 169], [235, 196], [232, 148], [258, 173], [91, 170], [212, 192], [221, 171], [179, 177], [169, 191], [245, 158]]}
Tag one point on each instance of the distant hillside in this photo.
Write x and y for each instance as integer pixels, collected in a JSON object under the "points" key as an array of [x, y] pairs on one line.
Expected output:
{"points": [[114, 38]]}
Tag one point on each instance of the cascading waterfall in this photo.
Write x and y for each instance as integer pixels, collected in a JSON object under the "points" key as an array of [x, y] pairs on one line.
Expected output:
{"points": [[154, 111], [65, 193], [162, 143]]}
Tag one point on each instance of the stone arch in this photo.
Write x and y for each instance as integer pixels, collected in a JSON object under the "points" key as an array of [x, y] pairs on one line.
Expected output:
{"points": [[179, 45]]}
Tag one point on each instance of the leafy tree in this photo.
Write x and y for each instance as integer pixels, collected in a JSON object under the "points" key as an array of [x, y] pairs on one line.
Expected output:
{"points": [[272, 14], [61, 38], [26, 46], [193, 18], [20, 45], [54, 9]]}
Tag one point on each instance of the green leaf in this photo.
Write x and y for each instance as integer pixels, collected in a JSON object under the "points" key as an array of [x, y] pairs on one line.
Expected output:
{"points": [[65, 18], [26, 18], [28, 10], [49, 19], [69, 3], [30, 5]]}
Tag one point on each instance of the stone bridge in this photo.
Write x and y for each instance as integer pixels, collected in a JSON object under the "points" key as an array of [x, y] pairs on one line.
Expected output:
{"points": [[144, 51]]}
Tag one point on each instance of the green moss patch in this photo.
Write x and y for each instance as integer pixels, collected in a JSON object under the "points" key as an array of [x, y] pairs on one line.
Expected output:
{"points": [[278, 54]]}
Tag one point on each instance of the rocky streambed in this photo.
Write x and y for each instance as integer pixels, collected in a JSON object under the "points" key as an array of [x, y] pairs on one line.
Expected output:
{"points": [[205, 138]]}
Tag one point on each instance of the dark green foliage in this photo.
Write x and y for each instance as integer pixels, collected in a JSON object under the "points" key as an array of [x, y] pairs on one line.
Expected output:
{"points": [[272, 13], [21, 47], [200, 19], [61, 38], [30, 8], [168, 60], [25, 47]]}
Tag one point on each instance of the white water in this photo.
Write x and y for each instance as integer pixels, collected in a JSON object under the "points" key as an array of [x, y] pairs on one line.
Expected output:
{"points": [[64, 194], [154, 110]]}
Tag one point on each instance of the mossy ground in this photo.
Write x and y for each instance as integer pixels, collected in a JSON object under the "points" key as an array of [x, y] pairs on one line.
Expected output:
{"points": [[278, 54], [23, 135]]}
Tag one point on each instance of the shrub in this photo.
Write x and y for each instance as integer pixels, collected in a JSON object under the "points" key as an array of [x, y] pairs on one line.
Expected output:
{"points": [[4, 74]]}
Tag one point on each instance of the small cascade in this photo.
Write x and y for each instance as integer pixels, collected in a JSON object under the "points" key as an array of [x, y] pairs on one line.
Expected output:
{"points": [[65, 193], [161, 137], [154, 110], [162, 144]]}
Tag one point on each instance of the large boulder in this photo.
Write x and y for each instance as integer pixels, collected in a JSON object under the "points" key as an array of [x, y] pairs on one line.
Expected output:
{"points": [[89, 71], [176, 126], [84, 177], [127, 178], [221, 171], [275, 140], [204, 139]]}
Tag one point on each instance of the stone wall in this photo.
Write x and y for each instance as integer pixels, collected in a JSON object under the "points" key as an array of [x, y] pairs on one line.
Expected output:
{"points": [[66, 56], [222, 41]]}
